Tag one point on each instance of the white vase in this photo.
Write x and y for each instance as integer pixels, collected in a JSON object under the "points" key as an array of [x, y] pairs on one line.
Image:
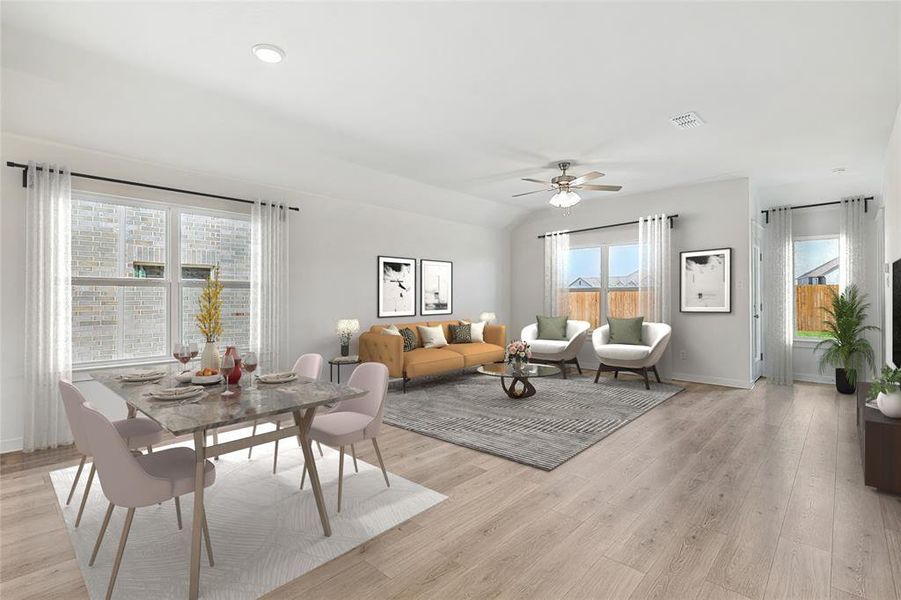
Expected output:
{"points": [[890, 404], [209, 358]]}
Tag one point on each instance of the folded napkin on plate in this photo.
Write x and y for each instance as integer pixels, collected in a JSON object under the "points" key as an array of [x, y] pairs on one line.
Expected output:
{"points": [[283, 375], [178, 391], [143, 374]]}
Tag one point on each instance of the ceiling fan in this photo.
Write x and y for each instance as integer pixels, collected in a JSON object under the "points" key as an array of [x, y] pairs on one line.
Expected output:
{"points": [[565, 184]]}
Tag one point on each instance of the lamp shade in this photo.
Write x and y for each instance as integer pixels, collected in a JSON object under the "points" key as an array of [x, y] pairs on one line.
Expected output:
{"points": [[487, 316], [564, 199], [348, 326]]}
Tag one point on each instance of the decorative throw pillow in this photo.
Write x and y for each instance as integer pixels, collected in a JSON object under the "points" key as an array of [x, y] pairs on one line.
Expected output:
{"points": [[409, 338], [625, 331], [476, 330], [390, 330], [552, 328], [432, 337], [460, 334]]}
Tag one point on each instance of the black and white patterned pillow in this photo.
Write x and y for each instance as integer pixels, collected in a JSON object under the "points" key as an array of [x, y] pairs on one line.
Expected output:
{"points": [[460, 334], [409, 339]]}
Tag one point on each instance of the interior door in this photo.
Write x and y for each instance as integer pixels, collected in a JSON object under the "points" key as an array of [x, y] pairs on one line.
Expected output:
{"points": [[756, 309]]}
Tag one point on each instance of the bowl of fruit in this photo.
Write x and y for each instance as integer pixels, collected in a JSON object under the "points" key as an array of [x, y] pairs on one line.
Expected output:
{"points": [[206, 377]]}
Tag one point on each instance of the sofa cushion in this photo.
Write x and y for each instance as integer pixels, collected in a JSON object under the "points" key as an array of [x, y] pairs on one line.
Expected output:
{"points": [[411, 326], [547, 348], [432, 337], [551, 328], [430, 361], [460, 334], [476, 330], [477, 353], [409, 339], [618, 352], [625, 331]]}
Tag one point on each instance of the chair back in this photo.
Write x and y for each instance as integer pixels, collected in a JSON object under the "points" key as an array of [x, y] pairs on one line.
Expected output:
{"points": [[309, 365], [72, 401], [124, 480], [574, 328], [372, 377]]}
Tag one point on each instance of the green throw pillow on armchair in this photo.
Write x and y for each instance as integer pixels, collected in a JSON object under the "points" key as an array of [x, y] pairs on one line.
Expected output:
{"points": [[625, 331], [552, 328]]}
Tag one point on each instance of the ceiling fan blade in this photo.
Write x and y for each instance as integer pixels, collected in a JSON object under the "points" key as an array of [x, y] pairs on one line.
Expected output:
{"points": [[536, 181], [535, 192], [600, 188], [586, 177]]}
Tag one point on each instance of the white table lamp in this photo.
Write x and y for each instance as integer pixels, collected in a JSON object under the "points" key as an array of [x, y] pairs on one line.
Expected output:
{"points": [[488, 317]]}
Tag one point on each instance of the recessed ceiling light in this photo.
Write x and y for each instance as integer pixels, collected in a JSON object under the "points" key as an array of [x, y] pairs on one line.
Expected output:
{"points": [[268, 53], [687, 120]]}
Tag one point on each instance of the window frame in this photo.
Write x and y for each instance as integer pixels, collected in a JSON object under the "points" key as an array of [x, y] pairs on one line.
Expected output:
{"points": [[605, 288], [173, 284], [797, 340]]}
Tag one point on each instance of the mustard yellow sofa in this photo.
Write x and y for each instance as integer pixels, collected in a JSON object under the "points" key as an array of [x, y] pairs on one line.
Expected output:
{"points": [[389, 350]]}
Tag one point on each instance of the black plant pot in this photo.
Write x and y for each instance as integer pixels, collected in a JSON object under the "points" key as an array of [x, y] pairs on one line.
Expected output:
{"points": [[345, 349], [842, 384]]}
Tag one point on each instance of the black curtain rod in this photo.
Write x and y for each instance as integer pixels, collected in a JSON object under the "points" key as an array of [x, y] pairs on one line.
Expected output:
{"points": [[669, 218], [866, 206], [139, 184]]}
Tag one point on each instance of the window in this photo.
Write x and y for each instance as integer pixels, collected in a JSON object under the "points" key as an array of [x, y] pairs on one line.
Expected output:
{"points": [[128, 301], [592, 295], [816, 272]]}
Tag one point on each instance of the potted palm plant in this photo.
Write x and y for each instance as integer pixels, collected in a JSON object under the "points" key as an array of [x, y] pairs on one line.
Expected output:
{"points": [[845, 346]]}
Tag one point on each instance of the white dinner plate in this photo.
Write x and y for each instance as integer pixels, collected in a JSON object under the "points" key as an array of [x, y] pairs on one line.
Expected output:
{"points": [[142, 376], [277, 377], [176, 393]]}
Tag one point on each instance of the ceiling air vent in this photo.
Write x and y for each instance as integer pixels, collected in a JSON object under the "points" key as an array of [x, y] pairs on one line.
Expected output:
{"points": [[687, 120]]}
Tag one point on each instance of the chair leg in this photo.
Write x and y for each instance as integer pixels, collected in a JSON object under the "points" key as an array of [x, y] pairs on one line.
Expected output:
{"points": [[656, 374], [597, 375], [353, 453], [87, 492], [318, 445], [149, 449], [647, 384], [253, 432], [77, 477], [216, 441], [303, 476], [563, 368], [125, 529], [378, 455], [206, 536], [340, 475], [578, 366], [278, 425], [616, 374], [109, 513], [178, 512]]}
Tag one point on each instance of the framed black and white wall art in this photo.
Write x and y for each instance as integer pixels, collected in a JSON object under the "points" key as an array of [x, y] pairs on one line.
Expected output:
{"points": [[705, 281], [397, 287], [437, 285]]}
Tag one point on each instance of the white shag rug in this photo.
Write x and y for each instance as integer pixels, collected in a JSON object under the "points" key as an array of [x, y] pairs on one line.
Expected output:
{"points": [[265, 530]]}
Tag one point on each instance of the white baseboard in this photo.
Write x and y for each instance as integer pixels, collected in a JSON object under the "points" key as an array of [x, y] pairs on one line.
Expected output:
{"points": [[814, 378], [10, 445], [724, 381]]}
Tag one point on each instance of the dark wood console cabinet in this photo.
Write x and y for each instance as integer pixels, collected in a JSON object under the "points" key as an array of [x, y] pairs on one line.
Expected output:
{"points": [[880, 445]]}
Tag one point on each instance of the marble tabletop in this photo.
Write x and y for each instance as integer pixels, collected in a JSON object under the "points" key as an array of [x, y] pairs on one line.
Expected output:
{"points": [[214, 410]]}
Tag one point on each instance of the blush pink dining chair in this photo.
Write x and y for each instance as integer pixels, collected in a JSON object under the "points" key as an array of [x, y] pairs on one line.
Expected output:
{"points": [[136, 433], [308, 365], [355, 420], [135, 481]]}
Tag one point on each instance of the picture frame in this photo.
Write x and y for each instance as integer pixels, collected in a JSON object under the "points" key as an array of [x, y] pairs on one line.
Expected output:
{"points": [[705, 281], [436, 296], [396, 292]]}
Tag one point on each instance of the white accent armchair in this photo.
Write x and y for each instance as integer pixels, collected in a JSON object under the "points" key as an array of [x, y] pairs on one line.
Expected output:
{"points": [[558, 351], [632, 358]]}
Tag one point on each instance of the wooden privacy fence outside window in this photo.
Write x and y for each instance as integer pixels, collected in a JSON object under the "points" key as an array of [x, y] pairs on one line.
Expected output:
{"points": [[810, 300], [586, 305]]}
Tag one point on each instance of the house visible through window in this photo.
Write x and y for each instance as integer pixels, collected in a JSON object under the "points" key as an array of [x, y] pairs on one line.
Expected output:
{"points": [[596, 292], [128, 302], [816, 279]]}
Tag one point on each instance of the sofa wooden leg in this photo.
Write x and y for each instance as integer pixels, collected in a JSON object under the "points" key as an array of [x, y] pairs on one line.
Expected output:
{"points": [[405, 384], [647, 384], [578, 366], [656, 374]]}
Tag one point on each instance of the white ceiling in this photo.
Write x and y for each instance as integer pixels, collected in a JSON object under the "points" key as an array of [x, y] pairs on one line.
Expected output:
{"points": [[441, 107]]}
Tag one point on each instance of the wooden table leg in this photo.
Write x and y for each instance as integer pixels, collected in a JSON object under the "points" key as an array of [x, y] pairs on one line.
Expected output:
{"points": [[197, 520], [304, 422]]}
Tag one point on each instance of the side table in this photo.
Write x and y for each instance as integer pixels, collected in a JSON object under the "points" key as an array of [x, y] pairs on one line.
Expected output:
{"points": [[338, 362]]}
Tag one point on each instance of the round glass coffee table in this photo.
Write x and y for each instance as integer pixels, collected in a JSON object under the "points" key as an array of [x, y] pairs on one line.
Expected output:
{"points": [[520, 377]]}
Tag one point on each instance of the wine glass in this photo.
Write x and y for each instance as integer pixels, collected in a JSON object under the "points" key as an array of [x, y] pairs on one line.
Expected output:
{"points": [[228, 365], [192, 348], [183, 355], [249, 364]]}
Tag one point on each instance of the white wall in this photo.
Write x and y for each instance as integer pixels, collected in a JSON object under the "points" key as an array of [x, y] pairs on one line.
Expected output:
{"points": [[334, 244], [712, 348], [891, 193]]}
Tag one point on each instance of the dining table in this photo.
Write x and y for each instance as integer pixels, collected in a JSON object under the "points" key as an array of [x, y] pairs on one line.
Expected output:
{"points": [[249, 402]]}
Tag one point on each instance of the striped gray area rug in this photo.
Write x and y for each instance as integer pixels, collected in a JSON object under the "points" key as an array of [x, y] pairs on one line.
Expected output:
{"points": [[564, 418]]}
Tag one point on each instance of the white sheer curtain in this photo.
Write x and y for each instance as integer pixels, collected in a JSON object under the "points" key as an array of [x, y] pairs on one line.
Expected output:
{"points": [[779, 299], [852, 244], [269, 284], [48, 302], [556, 292], [654, 269]]}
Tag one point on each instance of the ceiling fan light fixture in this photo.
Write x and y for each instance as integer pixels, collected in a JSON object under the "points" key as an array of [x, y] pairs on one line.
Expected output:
{"points": [[564, 199], [268, 53]]}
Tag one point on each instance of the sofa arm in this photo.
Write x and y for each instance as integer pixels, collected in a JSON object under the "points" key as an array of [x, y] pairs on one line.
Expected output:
{"points": [[495, 334], [385, 349]]}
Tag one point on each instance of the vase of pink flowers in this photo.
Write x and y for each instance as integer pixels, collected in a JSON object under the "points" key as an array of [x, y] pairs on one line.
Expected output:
{"points": [[517, 353]]}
